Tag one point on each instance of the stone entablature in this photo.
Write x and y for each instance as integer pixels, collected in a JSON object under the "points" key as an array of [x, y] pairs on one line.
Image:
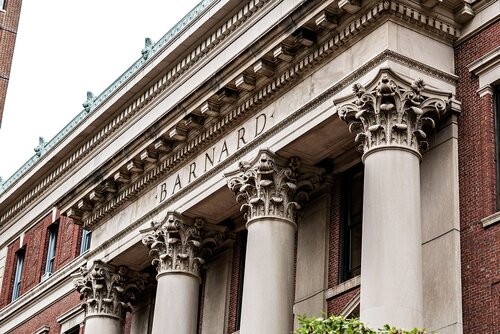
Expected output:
{"points": [[180, 134], [107, 290], [178, 244], [346, 31]]}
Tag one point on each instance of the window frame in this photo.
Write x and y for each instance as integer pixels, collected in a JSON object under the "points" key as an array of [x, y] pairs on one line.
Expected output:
{"points": [[18, 274], [50, 256], [347, 227], [86, 238]]}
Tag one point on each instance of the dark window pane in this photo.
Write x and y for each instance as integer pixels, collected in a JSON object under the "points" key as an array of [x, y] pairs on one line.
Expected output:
{"points": [[352, 208]]}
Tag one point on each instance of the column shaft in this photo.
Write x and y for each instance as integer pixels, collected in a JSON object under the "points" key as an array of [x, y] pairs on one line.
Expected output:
{"points": [[391, 263], [176, 306], [103, 324], [268, 285]]}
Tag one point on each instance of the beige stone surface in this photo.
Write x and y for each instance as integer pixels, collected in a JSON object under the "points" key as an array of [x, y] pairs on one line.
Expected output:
{"points": [[442, 284], [439, 185], [391, 261], [103, 324], [268, 284], [312, 251], [216, 298], [313, 306], [142, 311], [176, 305]]}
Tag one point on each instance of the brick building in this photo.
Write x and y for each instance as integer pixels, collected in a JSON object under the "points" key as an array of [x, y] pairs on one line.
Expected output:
{"points": [[10, 10], [267, 159]]}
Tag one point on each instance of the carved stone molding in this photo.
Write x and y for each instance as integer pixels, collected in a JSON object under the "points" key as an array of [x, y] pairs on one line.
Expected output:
{"points": [[340, 38], [178, 244], [271, 186], [390, 112], [107, 290]]}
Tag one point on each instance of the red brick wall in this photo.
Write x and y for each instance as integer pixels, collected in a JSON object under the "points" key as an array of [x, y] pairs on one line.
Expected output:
{"points": [[48, 316], [479, 246], [36, 249], [36, 243], [339, 302], [9, 21], [68, 242], [8, 275]]}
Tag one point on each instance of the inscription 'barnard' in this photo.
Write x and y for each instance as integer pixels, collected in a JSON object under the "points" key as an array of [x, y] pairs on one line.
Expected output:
{"points": [[219, 152]]}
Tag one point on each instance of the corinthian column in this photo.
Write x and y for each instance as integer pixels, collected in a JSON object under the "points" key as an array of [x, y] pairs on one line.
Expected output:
{"points": [[178, 247], [389, 119], [268, 189], [106, 291]]}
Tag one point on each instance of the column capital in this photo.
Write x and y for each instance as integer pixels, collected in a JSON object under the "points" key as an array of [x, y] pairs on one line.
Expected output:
{"points": [[179, 244], [107, 290], [390, 112], [271, 186]]}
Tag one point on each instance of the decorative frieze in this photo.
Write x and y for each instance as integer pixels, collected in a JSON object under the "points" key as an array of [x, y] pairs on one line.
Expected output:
{"points": [[271, 186], [392, 113], [178, 244], [107, 290], [164, 146]]}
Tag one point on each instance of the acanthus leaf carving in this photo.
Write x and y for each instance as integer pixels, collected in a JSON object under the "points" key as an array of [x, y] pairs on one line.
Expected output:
{"points": [[269, 188], [391, 114], [177, 244], [108, 290]]}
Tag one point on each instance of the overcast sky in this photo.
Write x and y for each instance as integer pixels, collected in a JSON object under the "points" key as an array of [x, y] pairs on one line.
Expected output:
{"points": [[65, 48]]}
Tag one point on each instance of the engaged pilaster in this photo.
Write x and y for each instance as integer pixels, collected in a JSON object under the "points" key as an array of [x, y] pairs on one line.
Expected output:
{"points": [[106, 292], [389, 118], [179, 247], [270, 189]]}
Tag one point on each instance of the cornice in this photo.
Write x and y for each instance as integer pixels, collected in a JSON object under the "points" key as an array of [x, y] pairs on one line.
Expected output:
{"points": [[205, 47], [341, 37], [312, 59], [258, 142]]}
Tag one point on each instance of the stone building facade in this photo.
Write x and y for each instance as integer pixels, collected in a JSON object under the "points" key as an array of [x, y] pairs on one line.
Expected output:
{"points": [[267, 159], [10, 10]]}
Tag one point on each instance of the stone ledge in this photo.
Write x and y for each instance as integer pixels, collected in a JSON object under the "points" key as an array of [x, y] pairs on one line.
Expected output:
{"points": [[491, 220], [42, 330], [343, 287]]}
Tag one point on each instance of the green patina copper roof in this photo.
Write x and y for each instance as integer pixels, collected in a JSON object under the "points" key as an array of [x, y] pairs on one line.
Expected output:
{"points": [[93, 102]]}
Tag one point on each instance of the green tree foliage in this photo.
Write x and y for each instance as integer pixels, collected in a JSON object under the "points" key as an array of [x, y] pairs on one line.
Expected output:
{"points": [[341, 325]]}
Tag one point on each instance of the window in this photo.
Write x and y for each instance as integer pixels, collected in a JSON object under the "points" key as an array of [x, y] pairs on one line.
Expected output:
{"points": [[73, 330], [16, 290], [352, 214], [2, 4], [85, 244], [51, 251]]}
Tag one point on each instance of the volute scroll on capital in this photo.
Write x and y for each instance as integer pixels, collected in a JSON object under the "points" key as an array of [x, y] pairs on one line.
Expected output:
{"points": [[391, 112], [271, 186], [108, 290], [179, 244]]}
